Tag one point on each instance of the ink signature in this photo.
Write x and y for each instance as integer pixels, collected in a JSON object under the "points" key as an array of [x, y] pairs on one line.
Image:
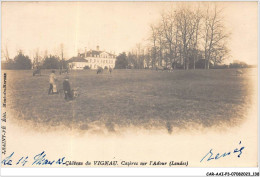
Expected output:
{"points": [[39, 159], [210, 155]]}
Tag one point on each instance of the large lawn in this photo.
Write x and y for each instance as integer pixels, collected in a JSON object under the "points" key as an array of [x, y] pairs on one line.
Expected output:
{"points": [[143, 98]]}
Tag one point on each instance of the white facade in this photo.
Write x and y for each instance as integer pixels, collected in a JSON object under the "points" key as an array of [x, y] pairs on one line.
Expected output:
{"points": [[77, 65], [94, 62], [94, 59]]}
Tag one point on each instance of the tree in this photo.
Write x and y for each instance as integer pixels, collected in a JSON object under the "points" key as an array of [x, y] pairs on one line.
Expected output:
{"points": [[63, 63], [147, 58], [36, 59], [195, 41], [6, 53], [153, 38], [184, 32], [51, 62], [131, 60], [219, 54], [9, 64], [140, 56], [187, 24], [22, 62], [214, 35], [62, 51], [121, 61], [169, 31], [158, 42]]}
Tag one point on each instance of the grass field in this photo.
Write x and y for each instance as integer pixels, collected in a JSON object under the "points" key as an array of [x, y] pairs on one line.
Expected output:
{"points": [[141, 98]]}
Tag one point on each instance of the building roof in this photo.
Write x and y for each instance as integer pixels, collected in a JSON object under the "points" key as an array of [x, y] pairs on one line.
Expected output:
{"points": [[95, 52], [77, 59]]}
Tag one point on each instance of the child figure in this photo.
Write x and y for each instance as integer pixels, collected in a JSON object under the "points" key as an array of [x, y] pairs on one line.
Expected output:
{"points": [[67, 89], [52, 82]]}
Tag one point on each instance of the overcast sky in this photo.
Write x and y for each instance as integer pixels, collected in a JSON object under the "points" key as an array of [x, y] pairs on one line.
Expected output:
{"points": [[114, 26]]}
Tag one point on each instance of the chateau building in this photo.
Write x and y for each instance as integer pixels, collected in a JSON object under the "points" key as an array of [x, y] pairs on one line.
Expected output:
{"points": [[93, 59]]}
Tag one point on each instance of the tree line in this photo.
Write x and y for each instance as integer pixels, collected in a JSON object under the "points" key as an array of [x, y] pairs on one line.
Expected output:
{"points": [[24, 62], [186, 37]]}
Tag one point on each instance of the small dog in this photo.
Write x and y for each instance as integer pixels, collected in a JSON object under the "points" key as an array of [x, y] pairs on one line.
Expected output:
{"points": [[75, 92]]}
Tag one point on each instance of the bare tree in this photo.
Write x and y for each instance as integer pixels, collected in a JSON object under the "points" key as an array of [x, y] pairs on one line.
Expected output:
{"points": [[140, 56], [154, 38], [6, 53], [45, 54], [219, 54], [184, 33], [161, 44], [214, 35], [62, 50], [196, 36], [168, 25], [187, 26], [61, 61], [36, 58]]}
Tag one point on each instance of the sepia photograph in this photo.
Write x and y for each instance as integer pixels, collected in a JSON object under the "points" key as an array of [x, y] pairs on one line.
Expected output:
{"points": [[129, 84]]}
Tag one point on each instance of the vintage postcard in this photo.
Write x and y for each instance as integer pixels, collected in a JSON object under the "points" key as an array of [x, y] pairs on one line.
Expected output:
{"points": [[129, 84]]}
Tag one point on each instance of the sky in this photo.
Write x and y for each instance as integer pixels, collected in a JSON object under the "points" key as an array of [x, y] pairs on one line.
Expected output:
{"points": [[114, 26]]}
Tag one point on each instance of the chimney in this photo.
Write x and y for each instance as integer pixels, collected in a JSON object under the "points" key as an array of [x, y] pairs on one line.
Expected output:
{"points": [[85, 52], [97, 48]]}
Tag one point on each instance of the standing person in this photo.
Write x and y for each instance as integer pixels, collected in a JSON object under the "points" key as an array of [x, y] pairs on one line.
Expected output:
{"points": [[67, 89], [52, 82]]}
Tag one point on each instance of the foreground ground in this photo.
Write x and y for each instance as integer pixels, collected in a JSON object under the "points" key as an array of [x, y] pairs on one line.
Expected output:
{"points": [[140, 98]]}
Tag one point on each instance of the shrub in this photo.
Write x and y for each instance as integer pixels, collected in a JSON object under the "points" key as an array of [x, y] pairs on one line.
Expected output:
{"points": [[86, 67], [22, 62], [220, 67], [51, 62], [121, 61], [238, 65], [200, 64]]}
